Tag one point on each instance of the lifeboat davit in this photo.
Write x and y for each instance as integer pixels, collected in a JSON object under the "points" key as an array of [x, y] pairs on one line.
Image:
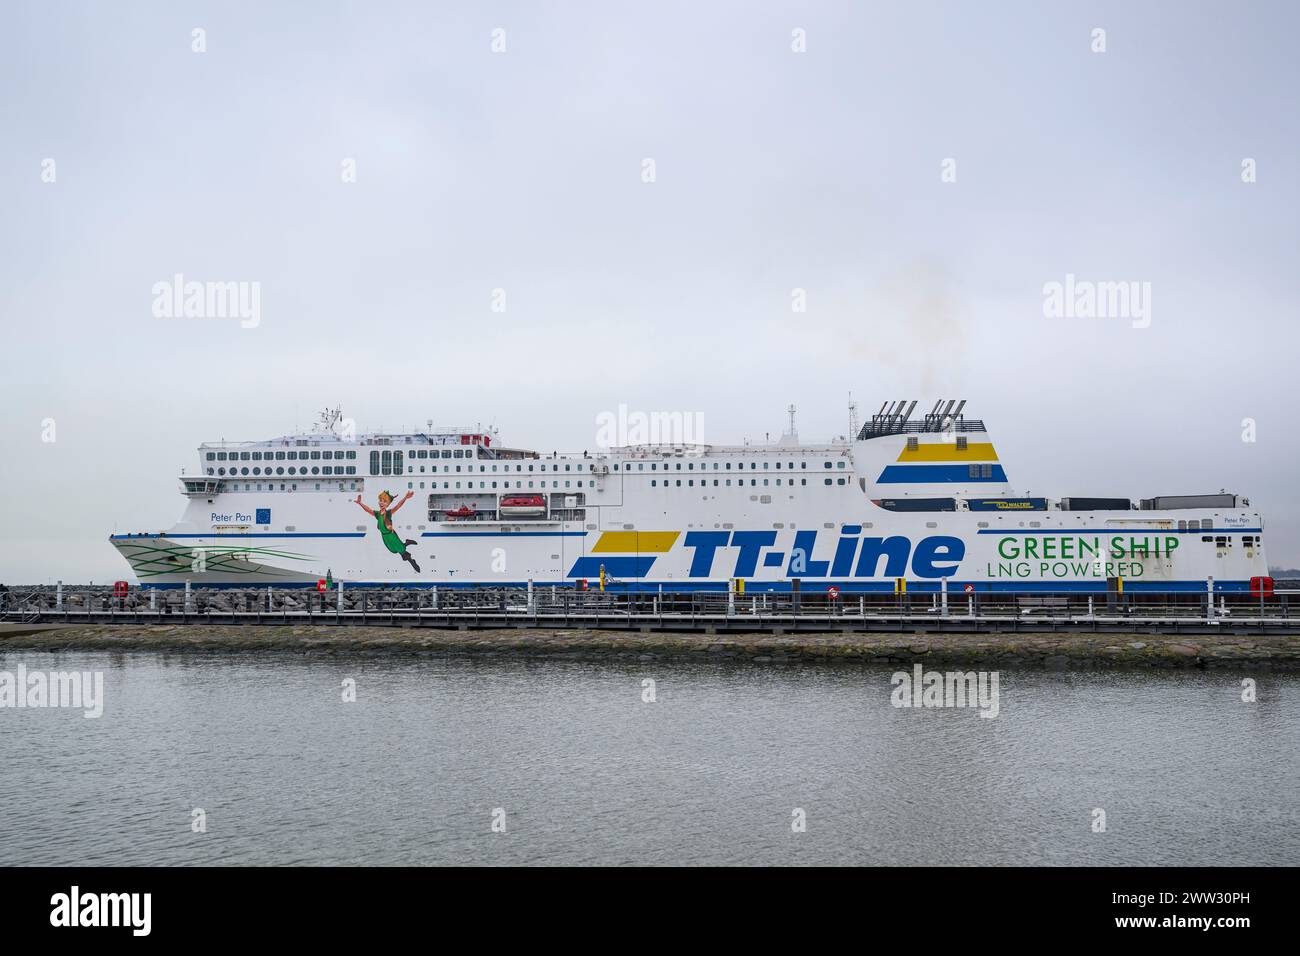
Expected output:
{"points": [[523, 506]]}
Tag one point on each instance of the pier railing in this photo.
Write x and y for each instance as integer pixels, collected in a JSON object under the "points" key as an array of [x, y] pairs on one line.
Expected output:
{"points": [[557, 607]]}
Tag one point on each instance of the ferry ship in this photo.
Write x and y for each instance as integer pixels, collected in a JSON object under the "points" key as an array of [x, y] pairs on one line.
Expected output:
{"points": [[899, 502]]}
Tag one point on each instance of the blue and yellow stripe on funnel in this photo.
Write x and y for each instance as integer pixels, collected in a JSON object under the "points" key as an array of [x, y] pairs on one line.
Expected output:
{"points": [[948, 451]]}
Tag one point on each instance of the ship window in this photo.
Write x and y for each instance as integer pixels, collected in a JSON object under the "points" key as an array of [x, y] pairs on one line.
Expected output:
{"points": [[352, 454], [766, 464], [728, 466], [212, 456], [728, 482], [293, 456], [839, 481], [315, 470], [828, 464], [913, 443], [653, 483], [839, 464], [446, 453], [691, 483], [209, 471], [352, 469], [279, 456], [221, 456], [221, 471], [679, 482], [280, 471], [982, 524], [828, 481], [961, 442], [1182, 526], [803, 481], [653, 466]]}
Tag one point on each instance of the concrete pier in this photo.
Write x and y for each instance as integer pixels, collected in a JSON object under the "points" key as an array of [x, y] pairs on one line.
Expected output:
{"points": [[1053, 650]]}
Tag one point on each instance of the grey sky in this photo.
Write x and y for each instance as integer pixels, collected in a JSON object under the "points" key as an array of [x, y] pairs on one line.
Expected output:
{"points": [[522, 170]]}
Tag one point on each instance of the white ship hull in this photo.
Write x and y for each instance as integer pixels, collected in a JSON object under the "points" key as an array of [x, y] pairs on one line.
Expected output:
{"points": [[697, 520]]}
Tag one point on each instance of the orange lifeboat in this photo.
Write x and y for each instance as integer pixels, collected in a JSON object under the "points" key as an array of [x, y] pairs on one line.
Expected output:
{"points": [[523, 506]]}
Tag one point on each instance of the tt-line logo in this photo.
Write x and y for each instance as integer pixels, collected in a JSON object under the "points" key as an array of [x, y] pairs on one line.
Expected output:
{"points": [[75, 689], [923, 688], [103, 909]]}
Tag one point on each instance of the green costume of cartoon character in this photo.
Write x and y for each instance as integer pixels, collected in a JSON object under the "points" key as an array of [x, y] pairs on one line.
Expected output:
{"points": [[384, 521]]}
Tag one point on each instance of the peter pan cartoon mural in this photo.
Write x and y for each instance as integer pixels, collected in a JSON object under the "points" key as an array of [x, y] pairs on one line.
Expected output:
{"points": [[384, 520]]}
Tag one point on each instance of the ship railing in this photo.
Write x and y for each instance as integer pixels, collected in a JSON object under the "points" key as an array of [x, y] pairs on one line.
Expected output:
{"points": [[874, 429]]}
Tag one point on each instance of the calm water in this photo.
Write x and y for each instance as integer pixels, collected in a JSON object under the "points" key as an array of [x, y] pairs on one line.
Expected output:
{"points": [[587, 773]]}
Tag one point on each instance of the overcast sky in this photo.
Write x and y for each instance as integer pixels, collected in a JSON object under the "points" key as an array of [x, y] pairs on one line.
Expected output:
{"points": [[524, 170]]}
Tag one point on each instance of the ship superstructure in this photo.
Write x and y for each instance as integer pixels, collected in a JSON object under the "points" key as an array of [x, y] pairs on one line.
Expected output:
{"points": [[926, 500]]}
